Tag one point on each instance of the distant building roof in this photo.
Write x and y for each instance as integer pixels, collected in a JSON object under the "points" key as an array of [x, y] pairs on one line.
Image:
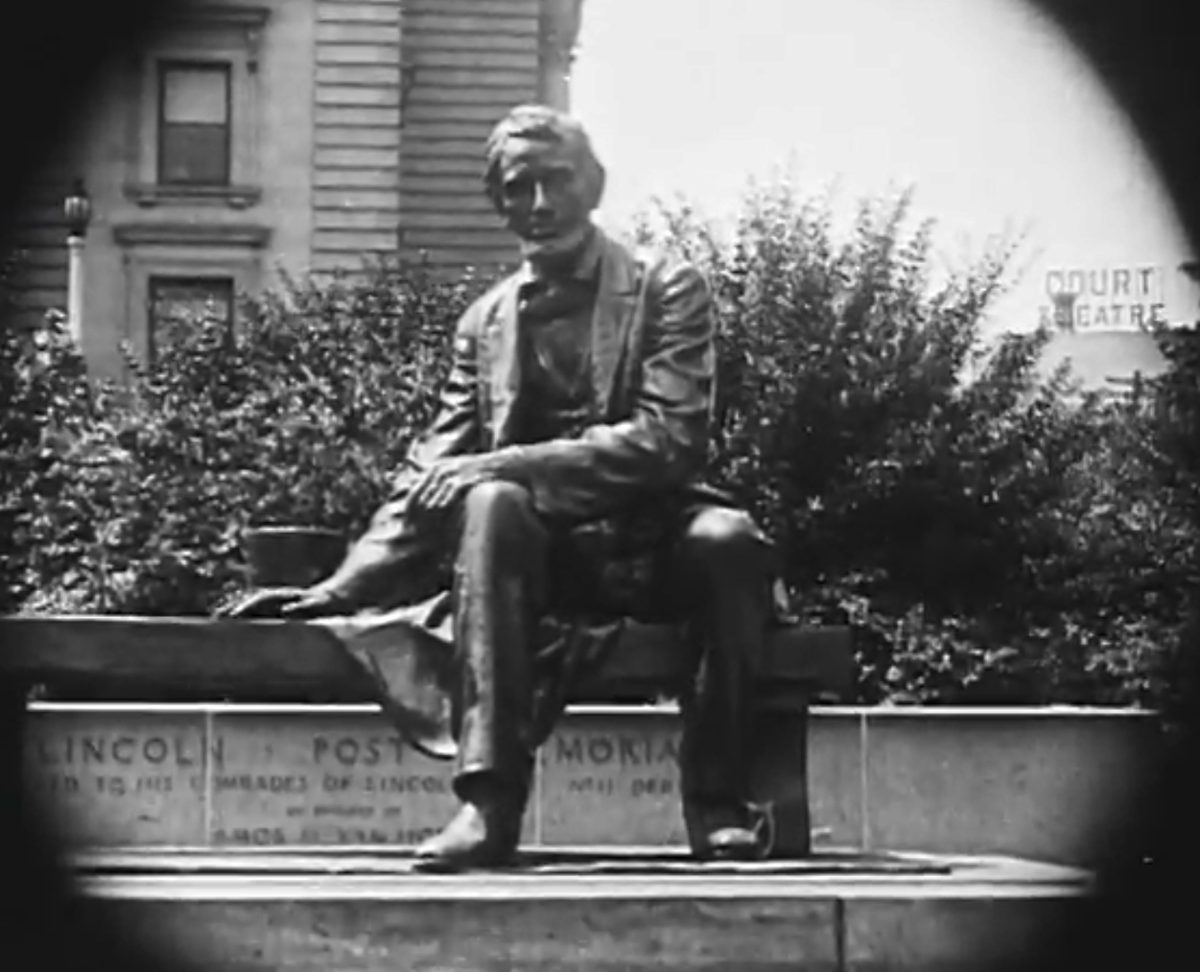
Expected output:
{"points": [[1100, 357]]}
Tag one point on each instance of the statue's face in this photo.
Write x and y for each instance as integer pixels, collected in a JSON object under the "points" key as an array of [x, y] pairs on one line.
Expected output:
{"points": [[545, 192]]}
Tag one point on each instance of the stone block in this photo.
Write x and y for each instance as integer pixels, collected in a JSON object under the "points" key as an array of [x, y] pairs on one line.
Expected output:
{"points": [[612, 778], [589, 934], [1032, 783], [835, 785], [1035, 783], [322, 777], [915, 932], [120, 777], [779, 779]]}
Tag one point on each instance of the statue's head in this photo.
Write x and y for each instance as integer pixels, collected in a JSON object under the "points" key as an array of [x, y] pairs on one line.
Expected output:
{"points": [[543, 178]]}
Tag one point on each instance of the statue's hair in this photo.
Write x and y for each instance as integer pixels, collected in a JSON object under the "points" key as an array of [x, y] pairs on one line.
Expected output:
{"points": [[539, 123]]}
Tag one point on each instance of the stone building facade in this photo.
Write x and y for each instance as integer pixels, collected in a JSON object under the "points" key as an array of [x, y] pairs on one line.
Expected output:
{"points": [[295, 134]]}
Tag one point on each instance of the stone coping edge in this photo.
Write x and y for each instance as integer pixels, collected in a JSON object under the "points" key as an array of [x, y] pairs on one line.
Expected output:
{"points": [[660, 710], [824, 864], [429, 888]]}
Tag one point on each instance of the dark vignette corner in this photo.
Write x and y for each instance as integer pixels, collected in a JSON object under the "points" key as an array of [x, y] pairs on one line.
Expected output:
{"points": [[1145, 52]]}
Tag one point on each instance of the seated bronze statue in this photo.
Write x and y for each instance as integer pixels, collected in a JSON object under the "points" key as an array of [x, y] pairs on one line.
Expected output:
{"points": [[561, 481]]}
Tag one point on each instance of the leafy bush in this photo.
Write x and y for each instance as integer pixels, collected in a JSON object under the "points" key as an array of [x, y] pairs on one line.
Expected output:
{"points": [[1177, 430], [44, 396], [297, 416], [994, 537]]}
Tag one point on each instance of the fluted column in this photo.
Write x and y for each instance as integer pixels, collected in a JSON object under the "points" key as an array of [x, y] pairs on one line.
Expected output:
{"points": [[559, 34]]}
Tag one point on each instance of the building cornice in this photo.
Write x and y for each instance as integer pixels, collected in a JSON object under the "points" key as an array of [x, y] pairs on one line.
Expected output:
{"points": [[248, 20], [191, 234], [149, 195]]}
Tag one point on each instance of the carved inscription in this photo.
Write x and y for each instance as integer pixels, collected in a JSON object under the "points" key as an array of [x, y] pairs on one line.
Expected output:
{"points": [[289, 781], [119, 765], [618, 765], [598, 783], [126, 749], [265, 779], [120, 779], [261, 780]]}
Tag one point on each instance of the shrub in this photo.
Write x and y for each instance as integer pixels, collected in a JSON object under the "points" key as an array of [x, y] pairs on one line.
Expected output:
{"points": [[44, 397], [996, 537], [1177, 429], [296, 416]]}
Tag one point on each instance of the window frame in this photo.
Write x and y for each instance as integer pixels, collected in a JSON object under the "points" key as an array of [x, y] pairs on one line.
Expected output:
{"points": [[156, 280], [163, 67], [231, 33]]}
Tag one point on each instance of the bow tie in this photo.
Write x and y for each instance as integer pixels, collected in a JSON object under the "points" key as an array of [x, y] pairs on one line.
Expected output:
{"points": [[548, 299]]}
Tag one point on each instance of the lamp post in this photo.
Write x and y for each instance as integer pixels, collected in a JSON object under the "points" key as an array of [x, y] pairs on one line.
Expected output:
{"points": [[77, 208]]}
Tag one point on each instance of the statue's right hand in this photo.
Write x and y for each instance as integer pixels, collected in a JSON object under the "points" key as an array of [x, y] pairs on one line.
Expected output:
{"points": [[267, 602], [284, 602], [315, 603]]}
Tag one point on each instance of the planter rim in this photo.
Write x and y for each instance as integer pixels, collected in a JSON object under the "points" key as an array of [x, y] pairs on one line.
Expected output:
{"points": [[290, 529]]}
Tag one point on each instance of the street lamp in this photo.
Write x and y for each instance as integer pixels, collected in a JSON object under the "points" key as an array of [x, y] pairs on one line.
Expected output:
{"points": [[77, 208]]}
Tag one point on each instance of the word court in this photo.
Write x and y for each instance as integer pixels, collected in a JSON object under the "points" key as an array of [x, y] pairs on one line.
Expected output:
{"points": [[1104, 299]]}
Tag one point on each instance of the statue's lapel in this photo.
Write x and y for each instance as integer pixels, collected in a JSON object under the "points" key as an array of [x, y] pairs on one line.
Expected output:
{"points": [[616, 303], [503, 362]]}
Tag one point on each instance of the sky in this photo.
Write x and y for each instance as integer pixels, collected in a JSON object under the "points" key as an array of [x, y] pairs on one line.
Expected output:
{"points": [[981, 106]]}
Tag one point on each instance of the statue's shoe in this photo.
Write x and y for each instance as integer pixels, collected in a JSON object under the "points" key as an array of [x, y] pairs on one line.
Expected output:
{"points": [[730, 844], [482, 836]]}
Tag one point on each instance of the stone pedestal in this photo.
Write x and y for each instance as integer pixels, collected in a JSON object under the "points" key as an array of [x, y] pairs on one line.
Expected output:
{"points": [[829, 915], [1042, 784], [780, 776]]}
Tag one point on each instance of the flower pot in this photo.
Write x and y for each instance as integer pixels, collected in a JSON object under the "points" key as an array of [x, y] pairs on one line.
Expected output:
{"points": [[291, 556]]}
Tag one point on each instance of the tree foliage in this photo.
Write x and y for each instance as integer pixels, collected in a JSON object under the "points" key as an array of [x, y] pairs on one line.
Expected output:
{"points": [[295, 417], [994, 536]]}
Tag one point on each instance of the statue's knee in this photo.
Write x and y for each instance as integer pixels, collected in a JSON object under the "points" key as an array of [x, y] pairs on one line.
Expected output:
{"points": [[716, 532], [497, 497], [499, 521]]}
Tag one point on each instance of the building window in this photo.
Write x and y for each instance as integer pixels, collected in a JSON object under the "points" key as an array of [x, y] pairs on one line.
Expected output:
{"points": [[195, 100], [194, 124], [178, 304]]}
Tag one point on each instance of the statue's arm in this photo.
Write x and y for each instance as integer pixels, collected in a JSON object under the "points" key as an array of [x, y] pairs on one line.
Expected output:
{"points": [[457, 429], [664, 441], [393, 537]]}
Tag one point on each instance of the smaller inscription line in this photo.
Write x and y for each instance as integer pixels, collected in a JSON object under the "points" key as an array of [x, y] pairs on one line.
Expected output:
{"points": [[207, 811], [863, 782]]}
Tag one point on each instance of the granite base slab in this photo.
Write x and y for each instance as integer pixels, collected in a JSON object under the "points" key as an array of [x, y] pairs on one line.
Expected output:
{"points": [[757, 920]]}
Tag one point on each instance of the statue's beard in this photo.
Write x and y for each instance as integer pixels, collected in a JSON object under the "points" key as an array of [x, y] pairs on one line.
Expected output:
{"points": [[557, 247]]}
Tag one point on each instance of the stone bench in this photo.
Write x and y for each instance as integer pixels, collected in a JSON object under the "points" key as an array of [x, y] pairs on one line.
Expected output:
{"points": [[140, 658]]}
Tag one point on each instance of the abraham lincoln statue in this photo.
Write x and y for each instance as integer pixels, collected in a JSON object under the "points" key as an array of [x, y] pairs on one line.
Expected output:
{"points": [[559, 481]]}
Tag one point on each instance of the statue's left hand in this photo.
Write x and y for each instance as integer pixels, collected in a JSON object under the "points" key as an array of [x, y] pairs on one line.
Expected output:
{"points": [[448, 481]]}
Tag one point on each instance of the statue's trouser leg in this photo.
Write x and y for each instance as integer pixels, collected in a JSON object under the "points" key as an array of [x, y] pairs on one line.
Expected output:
{"points": [[499, 585], [725, 563]]}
